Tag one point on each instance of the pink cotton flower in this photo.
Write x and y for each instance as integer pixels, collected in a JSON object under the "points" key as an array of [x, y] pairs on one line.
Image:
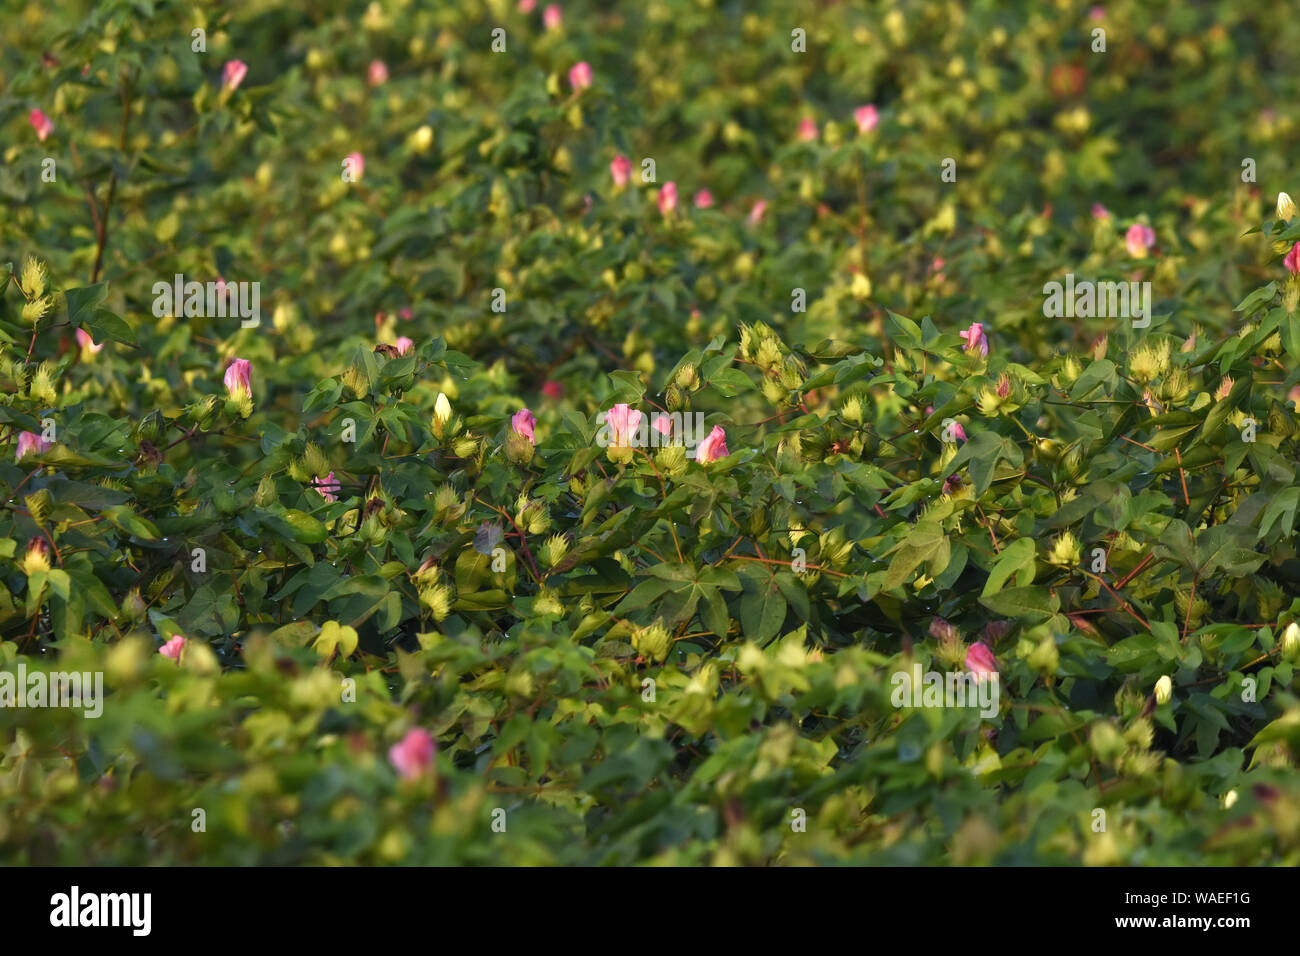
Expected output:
{"points": [[414, 755], [942, 630], [328, 487], [41, 123], [406, 314], [30, 443], [620, 167], [1097, 13], [552, 17], [527, 6], [357, 164], [173, 648], [88, 346], [1292, 260], [233, 73], [976, 339], [1099, 211], [238, 378], [403, 345], [668, 198], [377, 73], [553, 390], [957, 431], [523, 423], [867, 118], [756, 213], [703, 199], [807, 129], [580, 76], [1139, 239], [980, 660], [713, 447], [663, 425], [623, 421]]}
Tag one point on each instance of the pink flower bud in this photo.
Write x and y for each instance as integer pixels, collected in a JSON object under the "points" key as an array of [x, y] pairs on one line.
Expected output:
{"points": [[1139, 239], [173, 648], [238, 378], [867, 118], [552, 17], [580, 76], [668, 198], [414, 755], [403, 345], [357, 164], [553, 390], [88, 346], [703, 199], [756, 213], [377, 73], [980, 660], [523, 423], [976, 339], [941, 629], [1099, 211], [994, 631], [622, 421], [713, 447], [958, 432], [233, 73], [406, 314], [620, 167], [526, 6], [807, 129], [1292, 260], [41, 123], [30, 443], [328, 487]]}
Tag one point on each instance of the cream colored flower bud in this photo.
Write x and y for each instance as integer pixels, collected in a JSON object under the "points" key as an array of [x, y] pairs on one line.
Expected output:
{"points": [[1291, 641], [1164, 690], [1286, 208]]}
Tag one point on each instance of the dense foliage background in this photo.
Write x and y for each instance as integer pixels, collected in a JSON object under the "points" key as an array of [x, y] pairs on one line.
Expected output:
{"points": [[670, 660]]}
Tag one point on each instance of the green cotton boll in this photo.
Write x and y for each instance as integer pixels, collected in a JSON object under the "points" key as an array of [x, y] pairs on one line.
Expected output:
{"points": [[1045, 658], [652, 642], [315, 462], [518, 449], [266, 494], [299, 471], [151, 427], [1106, 741], [671, 460], [38, 506]]}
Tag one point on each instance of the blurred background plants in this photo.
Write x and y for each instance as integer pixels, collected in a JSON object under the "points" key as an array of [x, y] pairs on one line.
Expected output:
{"points": [[346, 563]]}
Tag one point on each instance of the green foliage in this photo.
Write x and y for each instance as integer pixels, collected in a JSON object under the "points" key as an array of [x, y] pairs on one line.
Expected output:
{"points": [[632, 655]]}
